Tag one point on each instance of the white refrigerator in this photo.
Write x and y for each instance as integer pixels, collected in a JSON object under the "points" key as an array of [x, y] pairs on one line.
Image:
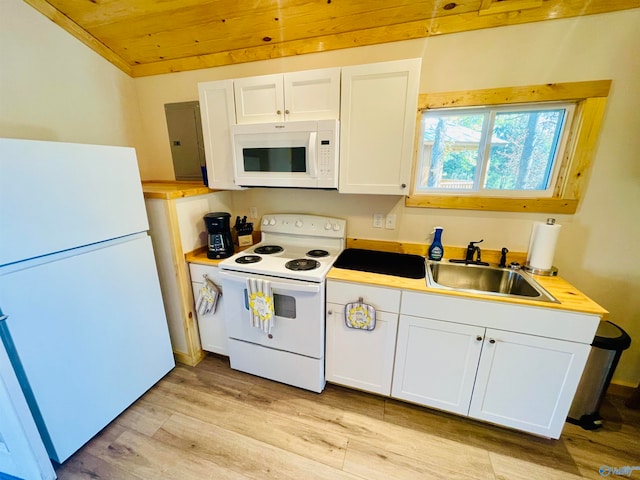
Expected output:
{"points": [[81, 313]]}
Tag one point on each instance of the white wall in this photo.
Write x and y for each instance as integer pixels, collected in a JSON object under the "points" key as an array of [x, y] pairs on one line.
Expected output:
{"points": [[52, 87]]}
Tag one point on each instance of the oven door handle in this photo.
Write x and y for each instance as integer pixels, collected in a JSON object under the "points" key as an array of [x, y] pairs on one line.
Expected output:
{"points": [[294, 286]]}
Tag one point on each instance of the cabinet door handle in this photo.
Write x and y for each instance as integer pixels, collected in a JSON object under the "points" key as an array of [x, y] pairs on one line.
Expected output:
{"points": [[492, 341], [404, 185], [479, 338], [330, 312], [286, 112], [278, 112]]}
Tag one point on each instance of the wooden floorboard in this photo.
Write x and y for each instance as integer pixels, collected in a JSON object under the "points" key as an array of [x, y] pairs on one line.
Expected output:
{"points": [[212, 422]]}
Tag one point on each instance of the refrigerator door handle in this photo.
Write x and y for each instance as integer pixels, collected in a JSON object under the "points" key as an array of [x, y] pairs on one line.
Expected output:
{"points": [[3, 317]]}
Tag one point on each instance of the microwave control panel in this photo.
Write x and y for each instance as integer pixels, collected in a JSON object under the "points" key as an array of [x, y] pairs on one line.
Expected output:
{"points": [[327, 149]]}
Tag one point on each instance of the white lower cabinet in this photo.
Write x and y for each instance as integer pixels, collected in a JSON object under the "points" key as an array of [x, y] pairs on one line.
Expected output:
{"points": [[436, 363], [527, 382], [466, 358], [361, 359], [512, 365], [213, 332]]}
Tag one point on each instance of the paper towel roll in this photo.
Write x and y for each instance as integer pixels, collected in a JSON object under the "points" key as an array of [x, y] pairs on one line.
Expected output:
{"points": [[542, 245]]}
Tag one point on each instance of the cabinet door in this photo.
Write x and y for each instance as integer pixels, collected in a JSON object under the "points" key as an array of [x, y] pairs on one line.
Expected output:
{"points": [[259, 99], [378, 117], [217, 112], [436, 363], [213, 332], [312, 95], [360, 358], [527, 382]]}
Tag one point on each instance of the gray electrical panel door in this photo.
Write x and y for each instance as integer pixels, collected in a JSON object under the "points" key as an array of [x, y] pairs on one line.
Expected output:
{"points": [[185, 137]]}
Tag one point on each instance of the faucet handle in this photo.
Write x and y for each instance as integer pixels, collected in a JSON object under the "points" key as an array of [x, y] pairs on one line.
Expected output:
{"points": [[503, 258], [473, 243]]}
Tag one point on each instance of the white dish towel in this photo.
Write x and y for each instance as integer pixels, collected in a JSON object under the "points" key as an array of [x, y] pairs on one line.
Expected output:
{"points": [[208, 297], [261, 309]]}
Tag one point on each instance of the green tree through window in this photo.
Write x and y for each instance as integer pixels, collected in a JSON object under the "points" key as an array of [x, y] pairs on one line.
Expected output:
{"points": [[488, 150]]}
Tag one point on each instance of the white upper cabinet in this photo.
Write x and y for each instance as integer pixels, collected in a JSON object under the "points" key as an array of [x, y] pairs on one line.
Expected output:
{"points": [[378, 118], [217, 112], [306, 95]]}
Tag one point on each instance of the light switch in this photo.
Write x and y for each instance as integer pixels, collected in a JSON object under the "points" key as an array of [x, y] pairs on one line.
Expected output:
{"points": [[390, 222]]}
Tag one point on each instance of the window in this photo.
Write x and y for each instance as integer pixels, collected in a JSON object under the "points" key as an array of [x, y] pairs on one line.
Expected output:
{"points": [[508, 149], [511, 151]]}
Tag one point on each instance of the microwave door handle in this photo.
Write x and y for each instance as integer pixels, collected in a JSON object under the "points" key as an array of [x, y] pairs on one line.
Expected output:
{"points": [[313, 159]]}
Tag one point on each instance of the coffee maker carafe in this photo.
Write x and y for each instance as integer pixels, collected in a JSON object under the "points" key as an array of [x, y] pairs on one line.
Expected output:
{"points": [[219, 240]]}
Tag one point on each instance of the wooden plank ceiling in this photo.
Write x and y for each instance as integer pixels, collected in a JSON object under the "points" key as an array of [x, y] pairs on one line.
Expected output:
{"points": [[149, 37]]}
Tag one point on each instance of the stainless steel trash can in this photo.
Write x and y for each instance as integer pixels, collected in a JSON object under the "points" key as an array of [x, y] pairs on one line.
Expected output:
{"points": [[607, 347]]}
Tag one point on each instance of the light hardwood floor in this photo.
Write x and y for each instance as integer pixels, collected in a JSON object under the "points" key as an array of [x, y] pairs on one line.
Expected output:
{"points": [[211, 422]]}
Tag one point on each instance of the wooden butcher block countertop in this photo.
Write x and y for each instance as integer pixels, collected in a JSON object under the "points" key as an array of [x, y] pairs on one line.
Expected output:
{"points": [[169, 190], [570, 298]]}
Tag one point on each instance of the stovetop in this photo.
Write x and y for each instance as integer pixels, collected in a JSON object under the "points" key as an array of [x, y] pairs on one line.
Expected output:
{"points": [[309, 246]]}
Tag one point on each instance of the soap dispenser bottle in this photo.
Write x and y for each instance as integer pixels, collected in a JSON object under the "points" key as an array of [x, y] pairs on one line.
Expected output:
{"points": [[436, 250]]}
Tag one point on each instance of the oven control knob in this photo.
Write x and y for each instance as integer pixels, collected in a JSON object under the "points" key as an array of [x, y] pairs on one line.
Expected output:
{"points": [[327, 226], [298, 223], [272, 221], [265, 221], [336, 227]]}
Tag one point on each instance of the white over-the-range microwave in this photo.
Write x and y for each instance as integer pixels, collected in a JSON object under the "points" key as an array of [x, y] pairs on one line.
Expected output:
{"points": [[301, 154]]}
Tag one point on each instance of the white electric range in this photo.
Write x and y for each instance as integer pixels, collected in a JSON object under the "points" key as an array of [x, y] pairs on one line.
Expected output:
{"points": [[291, 263]]}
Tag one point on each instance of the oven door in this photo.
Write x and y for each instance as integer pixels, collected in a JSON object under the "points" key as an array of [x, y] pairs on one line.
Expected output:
{"points": [[298, 325]]}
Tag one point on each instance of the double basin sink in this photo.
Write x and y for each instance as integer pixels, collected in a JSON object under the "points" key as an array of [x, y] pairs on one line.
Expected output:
{"points": [[487, 280]]}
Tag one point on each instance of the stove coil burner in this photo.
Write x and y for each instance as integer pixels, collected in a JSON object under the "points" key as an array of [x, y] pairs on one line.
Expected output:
{"points": [[302, 264], [317, 253], [248, 259], [269, 249]]}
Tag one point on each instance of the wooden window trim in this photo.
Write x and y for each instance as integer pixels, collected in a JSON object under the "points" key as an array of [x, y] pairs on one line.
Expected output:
{"points": [[590, 98]]}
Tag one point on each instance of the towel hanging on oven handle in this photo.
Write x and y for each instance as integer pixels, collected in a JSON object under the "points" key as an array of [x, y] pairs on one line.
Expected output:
{"points": [[359, 315]]}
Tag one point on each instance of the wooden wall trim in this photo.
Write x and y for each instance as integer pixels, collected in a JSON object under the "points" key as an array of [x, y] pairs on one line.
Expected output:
{"points": [[582, 150], [548, 92], [185, 293], [590, 98], [78, 32], [502, 204]]}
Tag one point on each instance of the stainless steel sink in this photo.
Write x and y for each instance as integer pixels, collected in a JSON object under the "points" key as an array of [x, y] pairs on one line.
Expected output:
{"points": [[501, 282]]}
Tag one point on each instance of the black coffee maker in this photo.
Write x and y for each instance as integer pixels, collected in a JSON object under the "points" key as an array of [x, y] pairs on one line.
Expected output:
{"points": [[220, 242]]}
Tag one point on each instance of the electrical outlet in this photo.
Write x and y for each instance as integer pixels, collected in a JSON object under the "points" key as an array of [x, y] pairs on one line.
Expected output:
{"points": [[390, 222], [253, 212], [377, 220]]}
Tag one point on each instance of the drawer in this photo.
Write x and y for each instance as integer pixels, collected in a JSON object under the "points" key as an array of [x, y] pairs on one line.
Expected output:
{"points": [[540, 321], [197, 271], [384, 299]]}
